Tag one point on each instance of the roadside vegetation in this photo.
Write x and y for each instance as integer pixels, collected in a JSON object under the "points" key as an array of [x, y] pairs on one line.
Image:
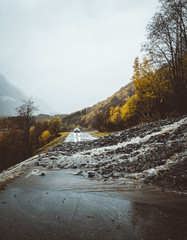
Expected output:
{"points": [[100, 134], [54, 142], [21, 137]]}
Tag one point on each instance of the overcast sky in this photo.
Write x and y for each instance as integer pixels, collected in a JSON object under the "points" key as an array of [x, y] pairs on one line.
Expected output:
{"points": [[71, 53]]}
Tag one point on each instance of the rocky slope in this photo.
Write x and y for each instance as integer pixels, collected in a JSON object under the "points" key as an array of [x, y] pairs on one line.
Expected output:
{"points": [[152, 153]]}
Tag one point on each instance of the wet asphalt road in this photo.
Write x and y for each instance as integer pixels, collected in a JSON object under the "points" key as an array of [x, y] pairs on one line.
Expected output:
{"points": [[77, 137], [61, 205]]}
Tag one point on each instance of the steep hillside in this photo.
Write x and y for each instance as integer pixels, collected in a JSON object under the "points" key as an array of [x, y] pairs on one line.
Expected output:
{"points": [[85, 116]]}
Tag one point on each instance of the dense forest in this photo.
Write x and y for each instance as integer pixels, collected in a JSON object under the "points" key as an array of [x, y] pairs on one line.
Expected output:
{"points": [[158, 89]]}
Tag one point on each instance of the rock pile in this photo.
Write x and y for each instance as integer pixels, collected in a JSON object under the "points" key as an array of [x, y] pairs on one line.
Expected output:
{"points": [[154, 153]]}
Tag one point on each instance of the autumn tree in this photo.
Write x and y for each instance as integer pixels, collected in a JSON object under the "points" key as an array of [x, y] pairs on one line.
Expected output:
{"points": [[152, 88], [115, 115], [130, 111], [45, 136], [5, 124], [35, 133], [54, 126], [98, 122], [167, 43], [25, 113], [114, 122]]}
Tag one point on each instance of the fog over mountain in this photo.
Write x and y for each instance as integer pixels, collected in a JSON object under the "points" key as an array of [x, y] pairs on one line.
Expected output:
{"points": [[72, 54], [12, 97]]}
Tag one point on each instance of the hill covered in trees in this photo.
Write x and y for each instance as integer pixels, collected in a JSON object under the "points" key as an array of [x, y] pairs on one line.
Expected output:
{"points": [[89, 117], [159, 82]]}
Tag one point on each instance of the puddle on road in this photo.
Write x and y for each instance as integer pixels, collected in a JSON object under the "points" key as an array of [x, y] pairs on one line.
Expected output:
{"points": [[67, 179]]}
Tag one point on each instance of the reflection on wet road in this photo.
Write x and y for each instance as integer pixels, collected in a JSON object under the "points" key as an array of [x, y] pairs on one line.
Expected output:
{"points": [[61, 205], [77, 137]]}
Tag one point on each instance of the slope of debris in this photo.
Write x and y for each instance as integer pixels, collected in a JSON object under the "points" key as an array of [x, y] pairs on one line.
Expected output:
{"points": [[15, 171], [153, 153]]}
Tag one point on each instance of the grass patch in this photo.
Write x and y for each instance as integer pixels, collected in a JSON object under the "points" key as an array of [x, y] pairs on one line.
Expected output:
{"points": [[100, 134], [55, 141]]}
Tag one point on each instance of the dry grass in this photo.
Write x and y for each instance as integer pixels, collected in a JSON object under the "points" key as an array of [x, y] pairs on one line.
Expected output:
{"points": [[100, 134], [55, 141]]}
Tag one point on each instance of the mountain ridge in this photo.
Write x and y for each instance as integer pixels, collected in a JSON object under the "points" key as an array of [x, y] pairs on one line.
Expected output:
{"points": [[85, 116], [11, 97]]}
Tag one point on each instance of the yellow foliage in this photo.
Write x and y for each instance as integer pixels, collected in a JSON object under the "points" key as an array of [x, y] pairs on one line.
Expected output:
{"points": [[56, 141], [149, 83], [101, 134], [45, 136], [32, 129], [129, 109], [151, 87], [116, 118], [115, 115]]}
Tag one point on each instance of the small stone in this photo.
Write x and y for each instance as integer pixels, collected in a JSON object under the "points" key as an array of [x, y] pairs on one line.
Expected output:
{"points": [[42, 174], [91, 174]]}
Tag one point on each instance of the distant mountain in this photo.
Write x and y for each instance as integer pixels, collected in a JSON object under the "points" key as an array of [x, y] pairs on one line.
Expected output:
{"points": [[12, 97], [84, 117]]}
